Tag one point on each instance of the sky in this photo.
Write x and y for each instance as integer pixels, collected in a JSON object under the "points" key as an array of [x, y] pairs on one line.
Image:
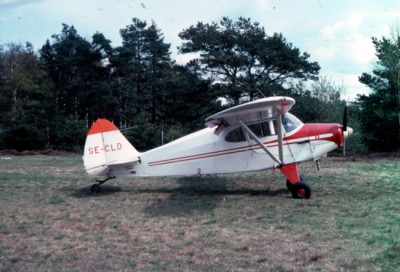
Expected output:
{"points": [[336, 33]]}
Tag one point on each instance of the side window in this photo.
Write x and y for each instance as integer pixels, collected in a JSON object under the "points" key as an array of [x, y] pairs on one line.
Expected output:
{"points": [[264, 129], [235, 136], [268, 128], [256, 129]]}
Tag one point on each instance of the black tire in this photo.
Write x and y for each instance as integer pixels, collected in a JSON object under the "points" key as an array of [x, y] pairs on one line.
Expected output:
{"points": [[95, 188], [301, 190], [289, 185]]}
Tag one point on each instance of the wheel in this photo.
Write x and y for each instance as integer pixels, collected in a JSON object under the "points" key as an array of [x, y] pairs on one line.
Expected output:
{"points": [[95, 188], [301, 190]]}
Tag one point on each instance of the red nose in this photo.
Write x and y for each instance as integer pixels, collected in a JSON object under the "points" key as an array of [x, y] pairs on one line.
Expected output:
{"points": [[327, 132]]}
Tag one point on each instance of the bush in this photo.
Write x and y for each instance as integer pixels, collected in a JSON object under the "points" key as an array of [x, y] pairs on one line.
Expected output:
{"points": [[23, 137], [69, 135]]}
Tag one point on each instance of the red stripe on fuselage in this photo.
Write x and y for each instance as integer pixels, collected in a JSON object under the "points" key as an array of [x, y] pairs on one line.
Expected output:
{"points": [[307, 131], [203, 155]]}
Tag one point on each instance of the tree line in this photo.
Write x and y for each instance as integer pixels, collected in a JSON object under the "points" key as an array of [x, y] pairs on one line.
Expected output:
{"points": [[49, 98]]}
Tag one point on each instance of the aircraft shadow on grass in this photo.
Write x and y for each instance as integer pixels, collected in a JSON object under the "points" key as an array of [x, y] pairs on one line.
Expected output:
{"points": [[198, 195], [193, 195]]}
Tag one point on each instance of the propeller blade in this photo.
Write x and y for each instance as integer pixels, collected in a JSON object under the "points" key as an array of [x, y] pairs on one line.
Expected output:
{"points": [[344, 128], [345, 115]]}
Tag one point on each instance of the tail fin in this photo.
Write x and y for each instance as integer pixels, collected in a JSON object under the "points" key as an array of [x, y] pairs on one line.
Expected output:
{"points": [[105, 145]]}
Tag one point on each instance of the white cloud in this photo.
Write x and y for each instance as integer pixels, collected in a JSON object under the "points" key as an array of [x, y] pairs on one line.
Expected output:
{"points": [[386, 32], [322, 53], [346, 48], [335, 30], [355, 20], [331, 31], [264, 5], [352, 87], [328, 32], [360, 48], [185, 58]]}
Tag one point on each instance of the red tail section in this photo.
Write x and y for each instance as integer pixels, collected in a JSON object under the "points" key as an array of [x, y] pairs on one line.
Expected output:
{"points": [[102, 125], [106, 145]]}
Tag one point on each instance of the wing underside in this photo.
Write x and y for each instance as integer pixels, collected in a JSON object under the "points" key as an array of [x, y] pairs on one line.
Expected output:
{"points": [[259, 110]]}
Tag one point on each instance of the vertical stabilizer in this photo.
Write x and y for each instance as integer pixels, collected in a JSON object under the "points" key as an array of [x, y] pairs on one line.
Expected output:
{"points": [[106, 145]]}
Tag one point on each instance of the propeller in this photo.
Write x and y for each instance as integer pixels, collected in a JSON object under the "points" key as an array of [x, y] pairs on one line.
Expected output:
{"points": [[345, 116], [347, 131]]}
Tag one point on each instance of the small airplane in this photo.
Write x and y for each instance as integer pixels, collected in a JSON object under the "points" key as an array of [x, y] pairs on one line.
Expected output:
{"points": [[253, 136]]}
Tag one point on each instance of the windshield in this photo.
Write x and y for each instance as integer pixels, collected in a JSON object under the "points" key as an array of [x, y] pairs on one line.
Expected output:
{"points": [[290, 122]]}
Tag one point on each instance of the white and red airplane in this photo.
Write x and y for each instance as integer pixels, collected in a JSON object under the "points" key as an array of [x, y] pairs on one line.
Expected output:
{"points": [[257, 135]]}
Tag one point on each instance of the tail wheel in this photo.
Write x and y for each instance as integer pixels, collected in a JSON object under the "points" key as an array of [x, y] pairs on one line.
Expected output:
{"points": [[95, 188], [301, 190]]}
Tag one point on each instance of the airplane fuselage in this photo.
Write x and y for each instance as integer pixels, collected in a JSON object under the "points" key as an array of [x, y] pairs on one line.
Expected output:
{"points": [[208, 151]]}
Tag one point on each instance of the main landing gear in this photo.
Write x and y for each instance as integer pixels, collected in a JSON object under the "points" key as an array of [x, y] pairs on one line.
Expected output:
{"points": [[96, 187], [299, 190], [296, 185]]}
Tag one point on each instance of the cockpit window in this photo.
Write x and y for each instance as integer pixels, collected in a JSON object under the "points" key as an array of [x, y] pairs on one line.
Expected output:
{"points": [[290, 122], [264, 129]]}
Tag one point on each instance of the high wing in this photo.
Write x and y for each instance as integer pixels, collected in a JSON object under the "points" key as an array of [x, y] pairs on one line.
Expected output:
{"points": [[265, 109], [259, 110]]}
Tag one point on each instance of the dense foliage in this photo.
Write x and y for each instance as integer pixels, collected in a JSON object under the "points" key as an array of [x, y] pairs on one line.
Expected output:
{"points": [[243, 61], [380, 110], [51, 97]]}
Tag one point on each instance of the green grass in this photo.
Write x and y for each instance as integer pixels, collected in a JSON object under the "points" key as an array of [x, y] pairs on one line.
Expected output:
{"points": [[242, 222]]}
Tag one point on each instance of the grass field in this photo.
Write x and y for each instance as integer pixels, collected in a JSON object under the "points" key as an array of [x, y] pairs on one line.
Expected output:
{"points": [[244, 222]]}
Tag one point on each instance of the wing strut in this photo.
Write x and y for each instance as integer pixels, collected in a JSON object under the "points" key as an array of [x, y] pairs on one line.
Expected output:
{"points": [[261, 144], [280, 137]]}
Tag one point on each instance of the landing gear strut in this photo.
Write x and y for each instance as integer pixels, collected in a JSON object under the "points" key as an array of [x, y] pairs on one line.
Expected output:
{"points": [[96, 187]]}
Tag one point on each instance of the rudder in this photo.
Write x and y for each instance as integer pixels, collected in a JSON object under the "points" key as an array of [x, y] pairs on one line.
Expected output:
{"points": [[105, 145]]}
